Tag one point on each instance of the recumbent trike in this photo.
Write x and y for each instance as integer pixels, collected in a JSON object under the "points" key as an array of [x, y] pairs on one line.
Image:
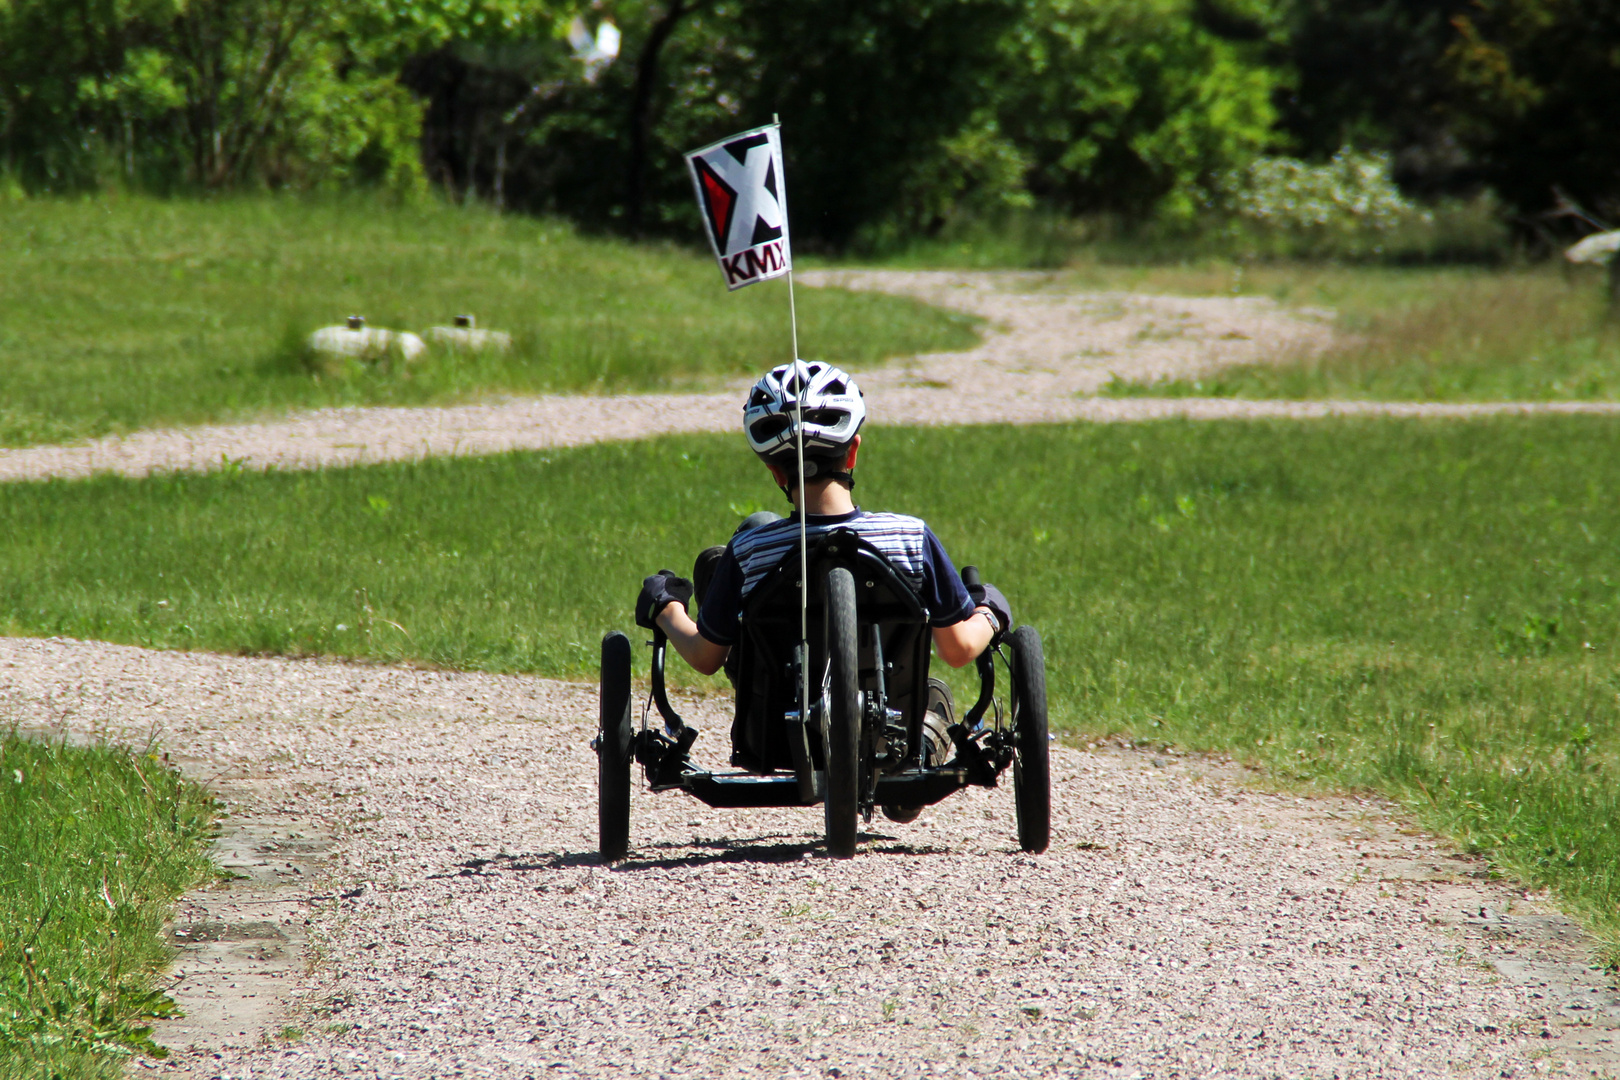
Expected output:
{"points": [[878, 732]]}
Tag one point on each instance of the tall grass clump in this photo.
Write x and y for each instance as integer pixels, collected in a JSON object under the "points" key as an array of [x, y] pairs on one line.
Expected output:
{"points": [[96, 844], [1526, 333], [1426, 609], [128, 312]]}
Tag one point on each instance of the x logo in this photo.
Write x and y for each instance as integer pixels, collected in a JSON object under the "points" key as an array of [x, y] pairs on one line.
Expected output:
{"points": [[741, 193]]}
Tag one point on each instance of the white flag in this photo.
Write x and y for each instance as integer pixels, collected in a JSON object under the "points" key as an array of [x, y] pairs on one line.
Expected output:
{"points": [[744, 202]]}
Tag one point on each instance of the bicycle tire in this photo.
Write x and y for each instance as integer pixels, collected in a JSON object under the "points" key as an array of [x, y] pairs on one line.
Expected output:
{"points": [[843, 715], [1032, 768], [613, 750]]}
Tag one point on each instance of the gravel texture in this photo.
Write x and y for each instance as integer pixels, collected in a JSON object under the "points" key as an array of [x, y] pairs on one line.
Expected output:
{"points": [[1048, 351], [1179, 926]]}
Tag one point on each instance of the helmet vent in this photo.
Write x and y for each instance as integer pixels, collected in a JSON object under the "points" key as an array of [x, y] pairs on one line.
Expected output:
{"points": [[837, 388], [769, 427]]}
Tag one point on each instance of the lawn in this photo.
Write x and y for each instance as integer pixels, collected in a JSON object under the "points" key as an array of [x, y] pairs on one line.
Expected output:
{"points": [[95, 846], [130, 312], [1534, 333], [1426, 609]]}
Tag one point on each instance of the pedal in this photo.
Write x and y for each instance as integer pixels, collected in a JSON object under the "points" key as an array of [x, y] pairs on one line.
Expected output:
{"points": [[665, 759], [971, 757]]}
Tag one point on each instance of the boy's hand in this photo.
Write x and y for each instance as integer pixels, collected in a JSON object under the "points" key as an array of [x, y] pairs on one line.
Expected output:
{"points": [[986, 595], [658, 591]]}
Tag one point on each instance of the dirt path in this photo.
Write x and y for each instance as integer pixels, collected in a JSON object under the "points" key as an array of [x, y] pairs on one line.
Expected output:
{"points": [[1180, 925], [1049, 350]]}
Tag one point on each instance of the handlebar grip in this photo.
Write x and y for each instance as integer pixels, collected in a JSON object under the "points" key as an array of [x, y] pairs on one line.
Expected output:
{"points": [[970, 576]]}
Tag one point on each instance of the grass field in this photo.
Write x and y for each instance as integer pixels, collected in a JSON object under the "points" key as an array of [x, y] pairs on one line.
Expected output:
{"points": [[1431, 610], [1415, 334], [95, 846], [133, 312]]}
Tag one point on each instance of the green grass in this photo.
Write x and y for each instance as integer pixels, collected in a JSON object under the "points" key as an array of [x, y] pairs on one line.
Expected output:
{"points": [[1424, 334], [95, 846], [124, 313], [1430, 610]]}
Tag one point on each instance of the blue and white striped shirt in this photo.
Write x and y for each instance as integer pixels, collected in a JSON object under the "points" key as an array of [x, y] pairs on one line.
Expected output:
{"points": [[908, 544]]}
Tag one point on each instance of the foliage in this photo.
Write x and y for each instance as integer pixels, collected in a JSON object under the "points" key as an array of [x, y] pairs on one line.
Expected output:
{"points": [[566, 145], [904, 117], [1352, 193], [1540, 99], [823, 66], [1426, 609], [1520, 95], [901, 114], [132, 312], [221, 92], [1132, 106], [95, 846], [1370, 74]]}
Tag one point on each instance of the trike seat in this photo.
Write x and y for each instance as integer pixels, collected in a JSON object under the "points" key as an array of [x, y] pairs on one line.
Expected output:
{"points": [[766, 683]]}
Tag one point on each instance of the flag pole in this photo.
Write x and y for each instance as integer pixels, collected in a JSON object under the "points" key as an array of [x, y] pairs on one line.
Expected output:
{"points": [[804, 544]]}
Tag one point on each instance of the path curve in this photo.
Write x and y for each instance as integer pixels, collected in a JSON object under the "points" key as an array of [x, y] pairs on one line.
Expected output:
{"points": [[1180, 925], [1047, 352]]}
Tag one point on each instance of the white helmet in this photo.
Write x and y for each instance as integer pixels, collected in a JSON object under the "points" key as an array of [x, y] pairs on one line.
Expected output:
{"points": [[833, 408]]}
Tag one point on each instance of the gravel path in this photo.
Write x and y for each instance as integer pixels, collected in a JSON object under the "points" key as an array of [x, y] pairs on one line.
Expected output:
{"points": [[431, 835], [1179, 926], [1049, 350]]}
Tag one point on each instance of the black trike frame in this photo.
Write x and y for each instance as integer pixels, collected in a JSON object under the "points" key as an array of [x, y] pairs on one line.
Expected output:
{"points": [[781, 754]]}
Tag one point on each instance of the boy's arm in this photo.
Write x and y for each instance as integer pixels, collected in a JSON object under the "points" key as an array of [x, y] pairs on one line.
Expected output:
{"points": [[969, 628], [960, 643], [697, 650]]}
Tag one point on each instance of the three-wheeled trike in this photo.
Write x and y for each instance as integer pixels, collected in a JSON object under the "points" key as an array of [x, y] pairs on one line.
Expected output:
{"points": [[847, 717]]}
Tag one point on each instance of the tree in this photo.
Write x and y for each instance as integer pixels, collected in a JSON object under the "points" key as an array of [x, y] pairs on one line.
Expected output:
{"points": [[1371, 74], [1132, 106], [221, 92], [1538, 100]]}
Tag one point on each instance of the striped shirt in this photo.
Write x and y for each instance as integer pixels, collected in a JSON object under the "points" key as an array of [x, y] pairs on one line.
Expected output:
{"points": [[909, 546]]}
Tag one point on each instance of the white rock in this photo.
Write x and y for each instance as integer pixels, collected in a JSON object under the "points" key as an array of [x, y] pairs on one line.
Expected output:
{"points": [[1598, 248], [465, 337], [365, 341]]}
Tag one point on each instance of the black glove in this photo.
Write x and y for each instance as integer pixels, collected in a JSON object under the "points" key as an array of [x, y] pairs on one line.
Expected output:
{"points": [[657, 592], [987, 595]]}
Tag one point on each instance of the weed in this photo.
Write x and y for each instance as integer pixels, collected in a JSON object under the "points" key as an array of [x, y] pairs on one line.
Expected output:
{"points": [[1432, 335]]}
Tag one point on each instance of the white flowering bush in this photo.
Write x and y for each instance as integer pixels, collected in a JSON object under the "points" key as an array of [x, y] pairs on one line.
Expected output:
{"points": [[1352, 193]]}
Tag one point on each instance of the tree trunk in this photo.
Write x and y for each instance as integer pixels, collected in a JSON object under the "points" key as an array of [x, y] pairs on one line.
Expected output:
{"points": [[635, 188]]}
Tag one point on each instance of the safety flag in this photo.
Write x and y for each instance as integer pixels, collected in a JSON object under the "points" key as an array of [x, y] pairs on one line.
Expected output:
{"points": [[744, 203]]}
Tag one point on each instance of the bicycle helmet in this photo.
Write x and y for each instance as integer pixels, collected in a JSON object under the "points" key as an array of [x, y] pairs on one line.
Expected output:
{"points": [[833, 409]]}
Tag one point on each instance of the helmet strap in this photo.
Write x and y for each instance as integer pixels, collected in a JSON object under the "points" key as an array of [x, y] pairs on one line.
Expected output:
{"points": [[847, 478]]}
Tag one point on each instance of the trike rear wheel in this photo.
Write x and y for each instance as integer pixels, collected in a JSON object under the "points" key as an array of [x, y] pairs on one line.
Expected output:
{"points": [[842, 710]]}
